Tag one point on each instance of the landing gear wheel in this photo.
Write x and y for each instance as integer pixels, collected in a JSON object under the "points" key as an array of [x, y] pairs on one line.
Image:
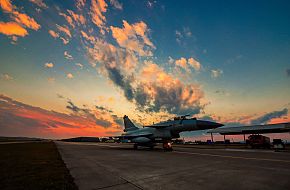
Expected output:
{"points": [[167, 146], [135, 146]]}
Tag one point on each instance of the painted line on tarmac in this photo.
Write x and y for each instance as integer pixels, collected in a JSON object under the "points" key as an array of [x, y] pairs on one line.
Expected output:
{"points": [[233, 157], [248, 150]]}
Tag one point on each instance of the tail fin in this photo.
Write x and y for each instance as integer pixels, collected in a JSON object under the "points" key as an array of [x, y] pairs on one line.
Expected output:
{"points": [[129, 126]]}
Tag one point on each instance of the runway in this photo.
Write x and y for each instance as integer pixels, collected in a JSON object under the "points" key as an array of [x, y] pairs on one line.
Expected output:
{"points": [[118, 166]]}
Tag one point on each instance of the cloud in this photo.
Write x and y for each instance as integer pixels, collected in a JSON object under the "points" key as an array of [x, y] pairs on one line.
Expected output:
{"points": [[69, 76], [288, 72], [150, 88], [182, 62], [6, 77], [151, 4], [195, 64], [6, 5], [78, 18], [134, 38], [25, 20], [53, 34], [185, 64], [216, 73], [234, 59], [80, 65], [20, 21], [56, 34], [80, 4], [98, 7], [101, 108], [116, 63], [170, 60], [73, 18], [268, 116], [64, 29], [68, 19], [182, 35], [14, 39], [19, 119], [12, 28], [39, 3], [222, 92], [116, 4], [146, 85], [187, 32], [91, 39], [159, 91], [49, 65], [64, 41], [51, 80], [67, 55], [72, 106], [106, 120]]}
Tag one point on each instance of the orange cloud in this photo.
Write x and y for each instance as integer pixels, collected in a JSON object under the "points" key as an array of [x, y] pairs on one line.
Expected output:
{"points": [[21, 20], [25, 20], [6, 5], [53, 34], [64, 41], [195, 64], [80, 19], [280, 120], [133, 37], [91, 39], [68, 19], [181, 63], [98, 7], [185, 64], [69, 76], [12, 28], [80, 4], [39, 3], [64, 29], [19, 119], [166, 92], [49, 65]]}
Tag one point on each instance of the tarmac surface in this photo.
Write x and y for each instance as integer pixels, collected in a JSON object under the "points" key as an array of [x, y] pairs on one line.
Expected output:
{"points": [[118, 166]]}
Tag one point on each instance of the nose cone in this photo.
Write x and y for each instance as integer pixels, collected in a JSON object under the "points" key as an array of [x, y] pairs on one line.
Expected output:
{"points": [[208, 124]]}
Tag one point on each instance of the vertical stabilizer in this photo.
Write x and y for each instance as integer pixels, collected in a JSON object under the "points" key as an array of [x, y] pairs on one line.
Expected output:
{"points": [[129, 126]]}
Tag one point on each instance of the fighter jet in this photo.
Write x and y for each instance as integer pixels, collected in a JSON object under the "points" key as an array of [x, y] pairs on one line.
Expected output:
{"points": [[163, 132]]}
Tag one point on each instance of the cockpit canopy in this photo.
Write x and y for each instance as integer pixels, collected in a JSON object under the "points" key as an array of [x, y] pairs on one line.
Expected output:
{"points": [[183, 117]]}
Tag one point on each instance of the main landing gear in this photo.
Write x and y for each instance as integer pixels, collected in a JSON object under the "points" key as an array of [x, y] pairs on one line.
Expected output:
{"points": [[167, 146]]}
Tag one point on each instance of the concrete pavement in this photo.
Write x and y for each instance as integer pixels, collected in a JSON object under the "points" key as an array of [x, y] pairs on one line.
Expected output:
{"points": [[118, 166]]}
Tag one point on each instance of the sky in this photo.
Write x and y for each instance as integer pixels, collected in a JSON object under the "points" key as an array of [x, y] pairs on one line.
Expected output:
{"points": [[74, 68]]}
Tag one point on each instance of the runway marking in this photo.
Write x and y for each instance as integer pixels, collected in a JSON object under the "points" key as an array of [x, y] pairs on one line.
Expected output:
{"points": [[234, 157], [248, 150]]}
